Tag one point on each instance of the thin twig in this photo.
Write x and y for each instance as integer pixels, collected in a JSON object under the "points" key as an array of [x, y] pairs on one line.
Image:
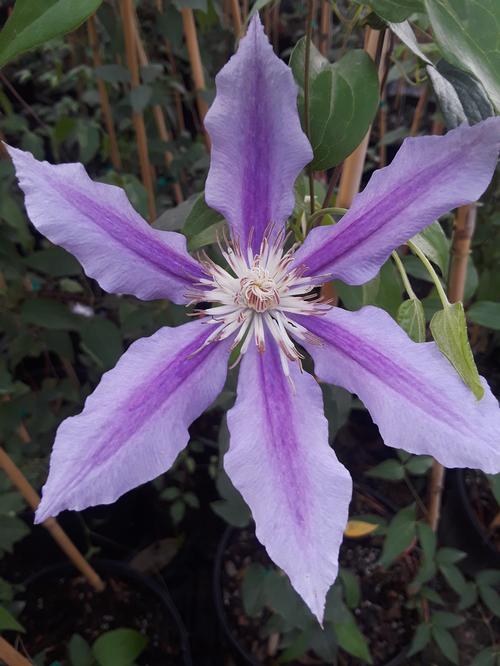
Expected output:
{"points": [[103, 97], [307, 117], [419, 110], [128, 18], [22, 101]]}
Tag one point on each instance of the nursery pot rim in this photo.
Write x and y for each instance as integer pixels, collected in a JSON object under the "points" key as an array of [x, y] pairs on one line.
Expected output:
{"points": [[107, 566], [230, 530]]}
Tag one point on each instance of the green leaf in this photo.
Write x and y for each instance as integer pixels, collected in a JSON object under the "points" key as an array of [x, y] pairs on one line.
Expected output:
{"points": [[486, 657], [390, 470], [450, 555], [399, 536], [101, 338], [474, 102], [449, 329], [34, 23], [420, 639], [494, 480], [317, 62], [488, 577], [395, 10], [140, 97], [427, 539], [352, 590], [350, 639], [79, 651], [485, 313], [411, 318], [344, 100], [12, 530], [252, 589], [490, 598], [468, 596], [200, 218], [468, 35], [48, 314], [53, 261], [120, 646], [446, 643], [112, 73], [418, 465], [9, 622], [435, 245], [454, 577], [446, 620], [208, 236]]}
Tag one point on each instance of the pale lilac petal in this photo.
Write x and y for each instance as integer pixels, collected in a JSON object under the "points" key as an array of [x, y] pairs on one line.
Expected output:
{"points": [[411, 390], [96, 223], [429, 176], [280, 461], [258, 146], [136, 421]]}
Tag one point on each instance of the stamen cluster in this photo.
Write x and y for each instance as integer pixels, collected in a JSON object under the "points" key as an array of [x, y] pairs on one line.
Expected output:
{"points": [[257, 293]]}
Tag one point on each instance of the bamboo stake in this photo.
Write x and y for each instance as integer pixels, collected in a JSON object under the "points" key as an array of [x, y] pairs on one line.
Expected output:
{"points": [[419, 111], [352, 172], [236, 14], [465, 223], [11, 656], [103, 97], [159, 117], [325, 27], [128, 12], [51, 525], [196, 66]]}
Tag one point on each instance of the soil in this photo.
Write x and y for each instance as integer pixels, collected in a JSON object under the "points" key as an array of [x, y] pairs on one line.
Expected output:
{"points": [[58, 607], [381, 615], [484, 504]]}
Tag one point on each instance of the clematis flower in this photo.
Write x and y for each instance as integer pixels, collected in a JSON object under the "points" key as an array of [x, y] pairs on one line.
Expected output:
{"points": [[262, 302]]}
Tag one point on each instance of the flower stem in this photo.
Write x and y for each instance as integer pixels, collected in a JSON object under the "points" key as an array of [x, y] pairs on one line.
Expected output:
{"points": [[327, 211], [404, 275], [430, 269], [307, 116]]}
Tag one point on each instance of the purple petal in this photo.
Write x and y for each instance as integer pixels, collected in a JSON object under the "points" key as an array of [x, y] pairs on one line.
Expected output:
{"points": [[97, 224], [135, 423], [258, 146], [428, 177], [411, 390], [280, 461]]}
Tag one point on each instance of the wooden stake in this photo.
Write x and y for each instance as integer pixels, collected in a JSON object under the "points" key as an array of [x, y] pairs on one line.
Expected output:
{"points": [[128, 18], [465, 223], [419, 111], [196, 66], [236, 14], [58, 534], [11, 656], [159, 117], [325, 24], [103, 97]]}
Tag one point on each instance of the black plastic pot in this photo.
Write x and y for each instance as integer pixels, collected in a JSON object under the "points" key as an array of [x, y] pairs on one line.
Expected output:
{"points": [[240, 654], [111, 568], [467, 533]]}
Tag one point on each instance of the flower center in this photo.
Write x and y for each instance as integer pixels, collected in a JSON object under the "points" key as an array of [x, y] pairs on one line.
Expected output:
{"points": [[256, 297]]}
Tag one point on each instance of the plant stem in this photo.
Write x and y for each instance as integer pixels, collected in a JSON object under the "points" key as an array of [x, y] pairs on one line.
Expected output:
{"points": [[11, 656], [158, 114], [196, 64], [465, 222], [103, 97], [325, 27], [128, 18], [60, 537], [327, 211], [404, 276], [236, 14], [419, 110], [430, 269], [307, 118]]}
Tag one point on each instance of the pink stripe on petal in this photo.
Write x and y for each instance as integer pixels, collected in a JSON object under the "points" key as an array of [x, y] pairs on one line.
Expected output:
{"points": [[429, 176], [258, 146], [96, 223], [411, 390], [280, 461], [135, 423]]}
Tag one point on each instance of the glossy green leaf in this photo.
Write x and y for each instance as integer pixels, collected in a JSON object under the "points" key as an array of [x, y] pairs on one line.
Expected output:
{"points": [[485, 313], [389, 470], [9, 622], [449, 329], [418, 465], [395, 10], [120, 646], [399, 536], [200, 217], [34, 23], [101, 338], [317, 62], [435, 245], [411, 318], [468, 34], [474, 102], [344, 100]]}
